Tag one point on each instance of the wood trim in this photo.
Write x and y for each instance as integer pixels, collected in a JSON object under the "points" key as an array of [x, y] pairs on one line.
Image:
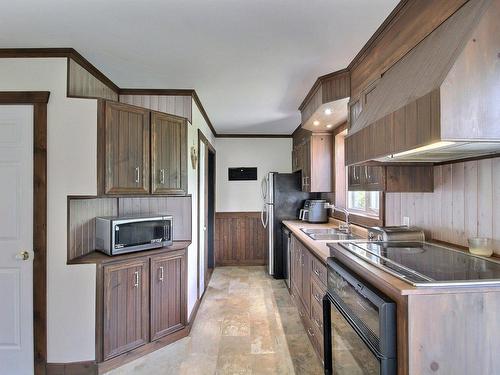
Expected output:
{"points": [[257, 135], [211, 148], [317, 85], [378, 34], [127, 357], [24, 97], [203, 112], [39, 100], [59, 52], [72, 368], [489, 156]]}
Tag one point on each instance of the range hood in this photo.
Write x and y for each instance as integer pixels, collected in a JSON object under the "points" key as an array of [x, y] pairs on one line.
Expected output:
{"points": [[441, 101]]}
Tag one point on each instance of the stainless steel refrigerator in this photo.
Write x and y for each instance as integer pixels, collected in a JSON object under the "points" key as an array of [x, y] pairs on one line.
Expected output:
{"points": [[283, 199]]}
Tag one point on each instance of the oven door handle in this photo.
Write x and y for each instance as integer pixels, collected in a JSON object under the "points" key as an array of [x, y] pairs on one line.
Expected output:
{"points": [[360, 331]]}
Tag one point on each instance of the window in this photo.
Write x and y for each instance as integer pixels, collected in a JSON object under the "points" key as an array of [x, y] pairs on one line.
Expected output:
{"points": [[364, 202]]}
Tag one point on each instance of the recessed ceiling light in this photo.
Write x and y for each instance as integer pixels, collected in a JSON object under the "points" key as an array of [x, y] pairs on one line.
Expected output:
{"points": [[328, 111], [315, 122], [329, 126]]}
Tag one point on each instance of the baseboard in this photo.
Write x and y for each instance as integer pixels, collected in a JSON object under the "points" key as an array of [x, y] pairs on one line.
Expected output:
{"points": [[72, 368], [127, 357]]}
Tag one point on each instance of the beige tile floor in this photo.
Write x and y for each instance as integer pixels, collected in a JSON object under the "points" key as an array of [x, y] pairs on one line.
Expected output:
{"points": [[246, 324]]}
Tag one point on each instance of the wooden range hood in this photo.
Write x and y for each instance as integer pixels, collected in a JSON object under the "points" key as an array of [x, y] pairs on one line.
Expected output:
{"points": [[441, 101]]}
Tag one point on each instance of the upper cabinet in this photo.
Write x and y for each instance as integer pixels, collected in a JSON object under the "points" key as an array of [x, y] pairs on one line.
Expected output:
{"points": [[168, 154], [126, 148], [312, 154], [440, 101], [325, 106], [140, 152]]}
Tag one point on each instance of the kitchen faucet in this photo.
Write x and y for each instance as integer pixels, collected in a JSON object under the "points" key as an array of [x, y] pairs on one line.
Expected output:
{"points": [[343, 227]]}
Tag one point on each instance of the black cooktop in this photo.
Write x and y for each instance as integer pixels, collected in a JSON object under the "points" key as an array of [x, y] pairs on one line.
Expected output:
{"points": [[427, 264]]}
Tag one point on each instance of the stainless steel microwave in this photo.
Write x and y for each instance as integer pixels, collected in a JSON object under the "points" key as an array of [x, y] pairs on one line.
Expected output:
{"points": [[119, 235]]}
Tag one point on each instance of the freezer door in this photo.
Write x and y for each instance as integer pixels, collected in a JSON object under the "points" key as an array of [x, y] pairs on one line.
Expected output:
{"points": [[270, 239]]}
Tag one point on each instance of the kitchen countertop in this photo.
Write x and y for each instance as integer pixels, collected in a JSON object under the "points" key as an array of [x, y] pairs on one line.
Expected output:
{"points": [[390, 285]]}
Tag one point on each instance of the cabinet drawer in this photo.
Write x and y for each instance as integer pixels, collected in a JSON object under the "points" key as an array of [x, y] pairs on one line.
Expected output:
{"points": [[317, 293], [319, 271]]}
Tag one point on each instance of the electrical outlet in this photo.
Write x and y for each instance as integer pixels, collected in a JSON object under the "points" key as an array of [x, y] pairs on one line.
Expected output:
{"points": [[406, 221]]}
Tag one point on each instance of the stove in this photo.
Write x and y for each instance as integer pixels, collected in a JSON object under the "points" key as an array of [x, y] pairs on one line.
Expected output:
{"points": [[426, 264]]}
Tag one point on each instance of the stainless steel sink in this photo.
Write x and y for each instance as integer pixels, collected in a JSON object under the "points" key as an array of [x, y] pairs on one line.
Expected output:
{"points": [[328, 234]]}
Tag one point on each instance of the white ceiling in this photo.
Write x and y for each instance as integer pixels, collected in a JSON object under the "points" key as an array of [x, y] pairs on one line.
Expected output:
{"points": [[251, 62]]}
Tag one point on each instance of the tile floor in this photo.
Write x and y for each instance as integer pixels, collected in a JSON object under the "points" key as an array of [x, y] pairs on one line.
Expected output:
{"points": [[246, 324]]}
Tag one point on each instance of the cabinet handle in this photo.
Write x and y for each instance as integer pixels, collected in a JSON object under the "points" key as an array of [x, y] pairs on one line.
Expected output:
{"points": [[318, 273], [136, 279], [162, 176], [161, 273], [366, 173], [318, 323], [309, 332], [137, 174]]}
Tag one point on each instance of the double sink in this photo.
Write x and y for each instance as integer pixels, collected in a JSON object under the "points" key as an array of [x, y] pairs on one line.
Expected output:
{"points": [[329, 234]]}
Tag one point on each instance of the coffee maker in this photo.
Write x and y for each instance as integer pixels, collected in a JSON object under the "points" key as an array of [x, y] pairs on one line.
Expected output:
{"points": [[315, 211]]}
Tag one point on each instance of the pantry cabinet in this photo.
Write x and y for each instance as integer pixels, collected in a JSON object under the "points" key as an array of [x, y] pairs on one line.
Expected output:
{"points": [[140, 151]]}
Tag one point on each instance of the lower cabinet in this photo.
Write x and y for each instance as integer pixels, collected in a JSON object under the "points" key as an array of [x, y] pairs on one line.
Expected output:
{"points": [[168, 302], [308, 286], [140, 300], [126, 310]]}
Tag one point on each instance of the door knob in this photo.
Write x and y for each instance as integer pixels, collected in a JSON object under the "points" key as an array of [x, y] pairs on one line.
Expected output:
{"points": [[23, 255]]}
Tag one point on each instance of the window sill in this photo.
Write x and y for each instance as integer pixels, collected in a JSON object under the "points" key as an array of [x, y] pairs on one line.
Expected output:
{"points": [[360, 219]]}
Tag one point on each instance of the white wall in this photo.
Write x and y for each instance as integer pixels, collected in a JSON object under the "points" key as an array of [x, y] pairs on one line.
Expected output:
{"points": [[71, 169], [267, 154]]}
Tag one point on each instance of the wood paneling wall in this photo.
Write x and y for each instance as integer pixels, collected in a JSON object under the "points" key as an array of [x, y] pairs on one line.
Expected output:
{"points": [[83, 84], [82, 212], [412, 24], [240, 239], [465, 203], [173, 104]]}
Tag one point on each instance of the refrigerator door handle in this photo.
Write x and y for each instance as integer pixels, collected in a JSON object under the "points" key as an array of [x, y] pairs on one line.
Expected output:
{"points": [[263, 188], [266, 220]]}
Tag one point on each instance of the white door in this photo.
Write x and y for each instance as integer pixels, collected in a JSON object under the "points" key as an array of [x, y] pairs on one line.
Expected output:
{"points": [[16, 236], [203, 224]]}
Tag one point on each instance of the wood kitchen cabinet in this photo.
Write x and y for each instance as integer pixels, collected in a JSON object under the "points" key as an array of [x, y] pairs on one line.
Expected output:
{"points": [[140, 151], [126, 307], [168, 154], [308, 286], [141, 302], [123, 154], [391, 178], [168, 297], [313, 156]]}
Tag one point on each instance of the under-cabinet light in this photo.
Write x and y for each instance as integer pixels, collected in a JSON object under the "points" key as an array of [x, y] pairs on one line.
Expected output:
{"points": [[432, 146], [315, 122], [328, 111]]}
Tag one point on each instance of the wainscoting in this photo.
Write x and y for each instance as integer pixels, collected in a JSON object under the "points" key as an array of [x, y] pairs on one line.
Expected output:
{"points": [[240, 239], [465, 203]]}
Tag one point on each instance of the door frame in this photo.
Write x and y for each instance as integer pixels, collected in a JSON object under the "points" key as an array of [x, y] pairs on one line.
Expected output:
{"points": [[211, 148], [39, 100]]}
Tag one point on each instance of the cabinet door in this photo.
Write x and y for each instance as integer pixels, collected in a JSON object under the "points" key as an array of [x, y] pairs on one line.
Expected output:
{"points": [[354, 178], [126, 131], [126, 307], [168, 294], [306, 280], [168, 154], [374, 178]]}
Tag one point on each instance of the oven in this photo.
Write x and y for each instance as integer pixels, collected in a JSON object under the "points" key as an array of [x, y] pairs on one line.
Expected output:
{"points": [[359, 326]]}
